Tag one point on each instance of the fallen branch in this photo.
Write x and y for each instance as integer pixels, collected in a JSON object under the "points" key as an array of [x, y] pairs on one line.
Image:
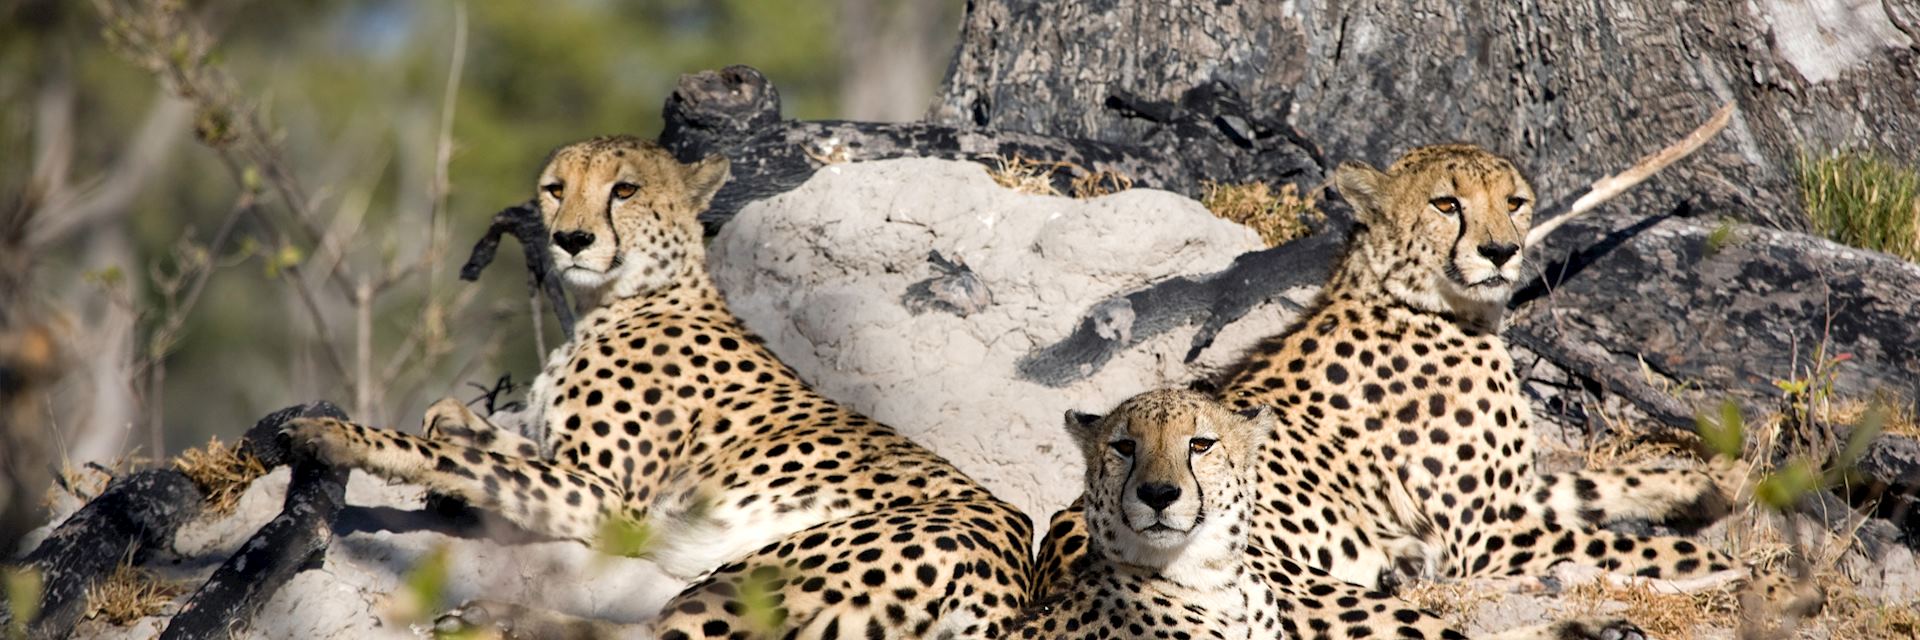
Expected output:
{"points": [[138, 512]]}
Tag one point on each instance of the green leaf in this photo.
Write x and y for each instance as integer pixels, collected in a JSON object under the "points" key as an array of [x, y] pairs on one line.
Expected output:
{"points": [[250, 178], [1871, 425], [110, 276], [1783, 489], [23, 588], [624, 537], [427, 582], [1725, 436], [287, 256], [760, 601]]}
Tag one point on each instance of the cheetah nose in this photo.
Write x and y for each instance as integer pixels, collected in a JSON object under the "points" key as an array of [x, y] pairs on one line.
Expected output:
{"points": [[573, 241], [1158, 496], [1500, 252]]}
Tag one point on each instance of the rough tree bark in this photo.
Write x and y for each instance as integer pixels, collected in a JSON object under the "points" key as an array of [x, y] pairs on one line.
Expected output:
{"points": [[1567, 88]]}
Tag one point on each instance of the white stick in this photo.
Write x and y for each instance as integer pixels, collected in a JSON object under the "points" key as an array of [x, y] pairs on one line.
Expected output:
{"points": [[1606, 188]]}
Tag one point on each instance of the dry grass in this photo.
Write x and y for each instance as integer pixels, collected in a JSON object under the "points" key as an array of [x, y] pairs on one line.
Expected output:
{"points": [[129, 594], [221, 472], [1024, 175], [1093, 184], [1279, 217], [1786, 546], [1669, 616], [1628, 445], [1852, 616], [1901, 418], [1455, 601], [1035, 177]]}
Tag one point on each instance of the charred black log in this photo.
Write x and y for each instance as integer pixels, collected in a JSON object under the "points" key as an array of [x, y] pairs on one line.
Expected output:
{"points": [[287, 545], [136, 513], [1207, 135]]}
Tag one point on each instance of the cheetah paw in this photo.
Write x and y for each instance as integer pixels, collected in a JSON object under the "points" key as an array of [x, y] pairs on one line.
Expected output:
{"points": [[447, 421], [1405, 571], [1598, 629], [477, 615], [327, 440], [514, 621]]}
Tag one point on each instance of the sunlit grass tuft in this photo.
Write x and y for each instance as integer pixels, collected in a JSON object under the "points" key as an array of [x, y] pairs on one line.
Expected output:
{"points": [[1278, 216], [1669, 616], [1026, 176], [221, 472], [129, 594], [1863, 200]]}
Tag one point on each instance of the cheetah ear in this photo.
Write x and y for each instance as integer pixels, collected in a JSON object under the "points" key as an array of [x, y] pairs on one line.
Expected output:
{"points": [[1364, 187], [1084, 429], [704, 178], [1259, 426]]}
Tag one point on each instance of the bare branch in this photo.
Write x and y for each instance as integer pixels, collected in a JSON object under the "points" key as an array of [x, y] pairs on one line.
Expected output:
{"points": [[65, 209], [1606, 188]]}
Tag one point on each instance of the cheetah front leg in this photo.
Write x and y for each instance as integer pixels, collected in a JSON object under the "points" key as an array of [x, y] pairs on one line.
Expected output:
{"points": [[1528, 548], [540, 496], [1313, 605], [1685, 499]]}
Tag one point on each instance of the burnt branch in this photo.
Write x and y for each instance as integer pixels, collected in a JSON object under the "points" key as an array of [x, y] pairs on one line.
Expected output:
{"points": [[292, 542], [135, 514], [522, 221]]}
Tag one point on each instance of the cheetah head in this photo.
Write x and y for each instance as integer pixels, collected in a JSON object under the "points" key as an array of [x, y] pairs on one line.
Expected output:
{"points": [[623, 214], [1164, 474], [1443, 225]]}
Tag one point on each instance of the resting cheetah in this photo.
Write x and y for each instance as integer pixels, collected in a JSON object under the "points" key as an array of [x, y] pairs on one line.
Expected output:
{"points": [[1169, 514], [664, 411], [1402, 447]]}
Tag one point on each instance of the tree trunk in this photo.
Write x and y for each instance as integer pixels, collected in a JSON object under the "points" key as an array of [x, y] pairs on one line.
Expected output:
{"points": [[1571, 90]]}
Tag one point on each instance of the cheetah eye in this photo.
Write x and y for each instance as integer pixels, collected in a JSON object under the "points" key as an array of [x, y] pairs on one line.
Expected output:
{"points": [[1122, 447], [1514, 204], [554, 189], [625, 190], [1446, 204], [1200, 445]]}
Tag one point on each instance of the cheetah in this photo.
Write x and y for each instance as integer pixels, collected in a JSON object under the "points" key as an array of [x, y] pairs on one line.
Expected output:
{"points": [[1169, 504], [665, 414], [1402, 448]]}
